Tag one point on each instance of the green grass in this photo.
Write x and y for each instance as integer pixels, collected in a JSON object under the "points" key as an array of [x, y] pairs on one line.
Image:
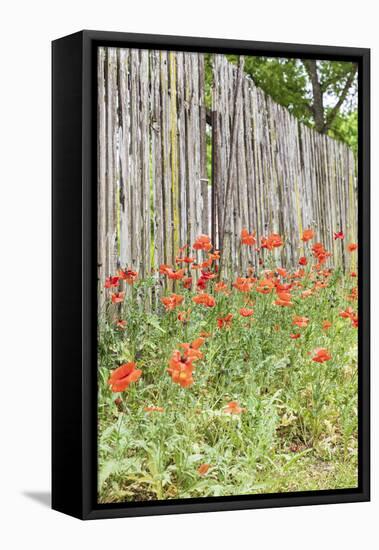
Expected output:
{"points": [[299, 427]]}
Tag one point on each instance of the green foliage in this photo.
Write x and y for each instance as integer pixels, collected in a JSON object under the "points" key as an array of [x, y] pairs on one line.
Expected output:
{"points": [[299, 427], [287, 82]]}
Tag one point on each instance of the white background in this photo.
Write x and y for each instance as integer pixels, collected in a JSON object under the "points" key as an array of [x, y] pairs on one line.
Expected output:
{"points": [[27, 27]]}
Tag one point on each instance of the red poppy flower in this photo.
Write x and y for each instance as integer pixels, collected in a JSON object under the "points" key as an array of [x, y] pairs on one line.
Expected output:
{"points": [[301, 322], [233, 408], [248, 238], [111, 282], [321, 355], [353, 274], [121, 324], [303, 260], [117, 297], [326, 325], [170, 302], [246, 312], [308, 234], [352, 246], [354, 321], [123, 376], [203, 242], [204, 299], [307, 293], [295, 336], [128, 275], [225, 321], [339, 235], [187, 282]]}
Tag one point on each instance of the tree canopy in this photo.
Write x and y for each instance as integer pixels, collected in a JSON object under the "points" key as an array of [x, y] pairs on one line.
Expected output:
{"points": [[322, 94]]}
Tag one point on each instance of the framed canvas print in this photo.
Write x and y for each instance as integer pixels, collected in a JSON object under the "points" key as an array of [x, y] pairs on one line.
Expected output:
{"points": [[210, 274]]}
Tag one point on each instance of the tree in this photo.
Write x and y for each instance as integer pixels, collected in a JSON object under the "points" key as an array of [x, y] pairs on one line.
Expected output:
{"points": [[322, 94]]}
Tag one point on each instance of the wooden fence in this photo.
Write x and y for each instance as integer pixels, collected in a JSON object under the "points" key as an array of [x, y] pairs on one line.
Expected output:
{"points": [[153, 191], [286, 176]]}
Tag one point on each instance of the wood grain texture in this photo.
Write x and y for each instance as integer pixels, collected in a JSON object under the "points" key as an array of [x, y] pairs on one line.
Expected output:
{"points": [[270, 173]]}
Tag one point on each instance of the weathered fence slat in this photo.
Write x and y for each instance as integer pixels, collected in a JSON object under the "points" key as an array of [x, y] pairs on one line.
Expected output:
{"points": [[270, 173]]}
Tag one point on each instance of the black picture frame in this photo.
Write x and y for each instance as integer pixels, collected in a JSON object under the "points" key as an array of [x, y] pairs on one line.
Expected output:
{"points": [[74, 363]]}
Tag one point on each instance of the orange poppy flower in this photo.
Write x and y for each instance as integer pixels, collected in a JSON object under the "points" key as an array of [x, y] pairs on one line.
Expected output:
{"points": [[163, 268], [175, 275], [265, 286], [243, 284], [204, 299], [354, 321], [303, 260], [203, 242], [170, 302], [246, 312], [320, 284], [353, 294], [187, 282], [248, 238], [181, 369], [282, 272], [205, 334], [283, 299], [326, 325], [306, 293], [320, 253], [185, 260], [321, 355], [299, 274], [206, 264], [348, 313], [221, 287], [233, 408], [272, 241], [117, 297], [352, 246], [121, 324], [301, 322], [214, 256], [184, 316], [203, 469], [111, 282], [225, 321], [295, 336], [308, 234], [153, 409], [123, 376], [128, 275]]}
